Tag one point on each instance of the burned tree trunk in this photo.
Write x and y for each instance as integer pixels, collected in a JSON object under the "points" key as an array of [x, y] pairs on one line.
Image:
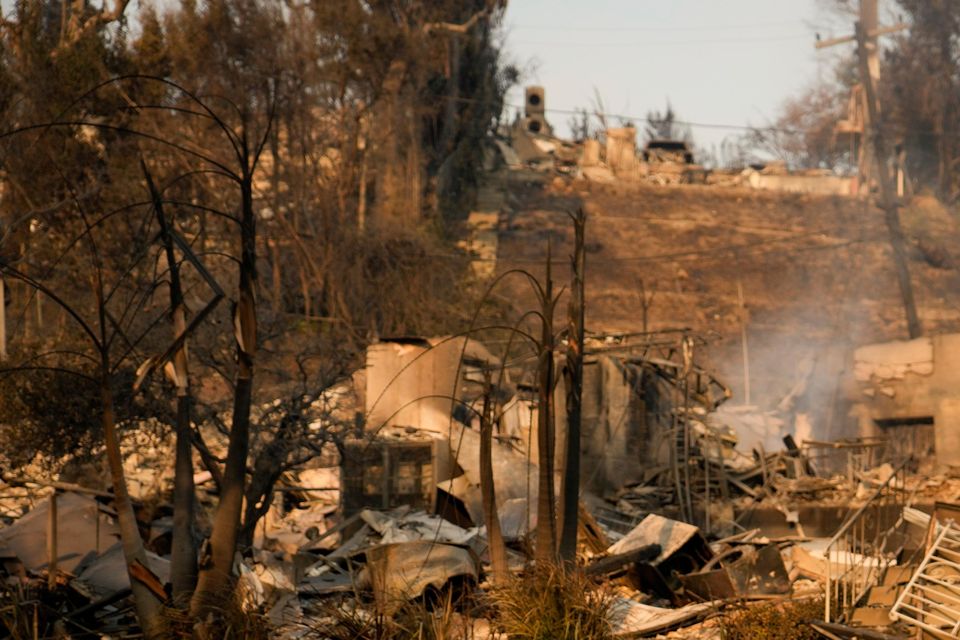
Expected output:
{"points": [[267, 469], [573, 374], [215, 584], [145, 586], [183, 563]]}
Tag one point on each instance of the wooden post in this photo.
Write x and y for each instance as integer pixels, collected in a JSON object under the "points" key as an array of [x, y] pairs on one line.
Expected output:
{"points": [[52, 542], [745, 351], [38, 300], [3, 321], [362, 195]]}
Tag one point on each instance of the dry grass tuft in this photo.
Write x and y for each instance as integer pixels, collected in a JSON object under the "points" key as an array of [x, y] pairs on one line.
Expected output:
{"points": [[784, 621], [233, 621], [348, 619], [553, 603]]}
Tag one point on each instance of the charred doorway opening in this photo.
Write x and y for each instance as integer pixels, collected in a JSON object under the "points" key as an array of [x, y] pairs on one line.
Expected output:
{"points": [[909, 438]]}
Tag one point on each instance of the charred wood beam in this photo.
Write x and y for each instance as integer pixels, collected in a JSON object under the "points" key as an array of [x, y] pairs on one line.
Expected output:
{"points": [[623, 561]]}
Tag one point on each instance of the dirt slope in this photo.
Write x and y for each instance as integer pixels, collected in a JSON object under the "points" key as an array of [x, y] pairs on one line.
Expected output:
{"points": [[815, 272]]}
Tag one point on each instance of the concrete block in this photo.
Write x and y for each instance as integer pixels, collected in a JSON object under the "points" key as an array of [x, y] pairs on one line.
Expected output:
{"points": [[947, 427]]}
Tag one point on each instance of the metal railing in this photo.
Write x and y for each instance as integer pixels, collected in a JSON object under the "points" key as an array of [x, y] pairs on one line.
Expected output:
{"points": [[931, 600], [856, 556], [845, 457]]}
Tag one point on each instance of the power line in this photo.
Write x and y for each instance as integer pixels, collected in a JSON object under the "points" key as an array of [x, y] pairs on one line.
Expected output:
{"points": [[714, 253], [781, 245], [771, 129], [635, 118], [758, 25], [627, 117], [664, 43], [710, 125]]}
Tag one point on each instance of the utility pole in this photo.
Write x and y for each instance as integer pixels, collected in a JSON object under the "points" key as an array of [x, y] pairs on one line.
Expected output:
{"points": [[874, 150], [888, 201], [856, 121]]}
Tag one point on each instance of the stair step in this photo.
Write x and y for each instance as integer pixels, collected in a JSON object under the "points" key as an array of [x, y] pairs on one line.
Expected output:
{"points": [[884, 594], [898, 575], [871, 617]]}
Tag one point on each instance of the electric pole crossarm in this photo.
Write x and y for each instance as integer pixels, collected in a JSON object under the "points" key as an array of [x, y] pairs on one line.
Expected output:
{"points": [[873, 33]]}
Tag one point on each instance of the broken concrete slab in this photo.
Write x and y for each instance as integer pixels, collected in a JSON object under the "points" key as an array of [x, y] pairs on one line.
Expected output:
{"points": [[884, 595], [683, 551], [671, 535], [897, 575]]}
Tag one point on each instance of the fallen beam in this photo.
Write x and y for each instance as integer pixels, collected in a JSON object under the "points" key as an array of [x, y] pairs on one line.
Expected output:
{"points": [[622, 561]]}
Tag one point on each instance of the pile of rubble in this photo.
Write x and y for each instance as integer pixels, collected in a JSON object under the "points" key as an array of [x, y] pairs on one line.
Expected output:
{"points": [[669, 575], [693, 528], [611, 155], [665, 573]]}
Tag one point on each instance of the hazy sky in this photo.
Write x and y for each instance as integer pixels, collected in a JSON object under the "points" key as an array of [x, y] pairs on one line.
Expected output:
{"points": [[729, 62]]}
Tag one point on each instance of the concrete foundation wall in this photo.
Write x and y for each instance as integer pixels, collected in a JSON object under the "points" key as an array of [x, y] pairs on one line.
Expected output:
{"points": [[913, 396], [822, 185]]}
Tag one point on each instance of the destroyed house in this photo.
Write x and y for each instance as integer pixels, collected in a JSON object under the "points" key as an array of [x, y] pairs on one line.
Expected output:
{"points": [[908, 394], [667, 151], [633, 402], [423, 398]]}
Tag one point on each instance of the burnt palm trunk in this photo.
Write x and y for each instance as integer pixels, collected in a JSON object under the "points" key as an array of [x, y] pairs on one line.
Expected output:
{"points": [[573, 373], [498, 550], [546, 552]]}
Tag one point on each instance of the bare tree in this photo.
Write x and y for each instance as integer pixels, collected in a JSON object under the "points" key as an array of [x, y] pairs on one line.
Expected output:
{"points": [[109, 341]]}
